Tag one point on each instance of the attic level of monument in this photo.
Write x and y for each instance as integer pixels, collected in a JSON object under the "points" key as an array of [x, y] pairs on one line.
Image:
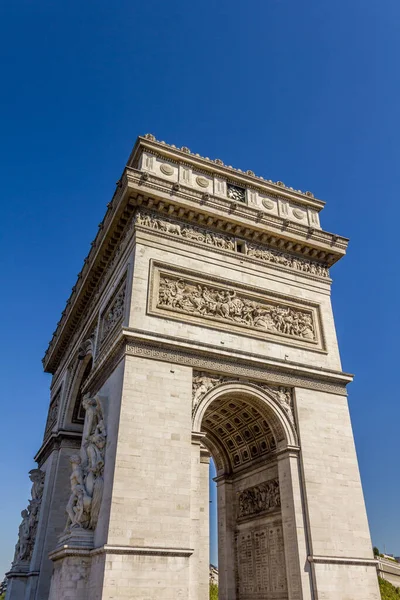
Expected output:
{"points": [[234, 211], [217, 166]]}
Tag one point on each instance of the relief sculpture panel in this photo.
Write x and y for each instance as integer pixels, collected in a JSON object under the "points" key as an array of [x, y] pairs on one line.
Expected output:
{"points": [[234, 308], [259, 499]]}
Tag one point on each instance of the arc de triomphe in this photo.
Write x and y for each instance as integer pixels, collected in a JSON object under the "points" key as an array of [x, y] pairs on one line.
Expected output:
{"points": [[200, 325]]}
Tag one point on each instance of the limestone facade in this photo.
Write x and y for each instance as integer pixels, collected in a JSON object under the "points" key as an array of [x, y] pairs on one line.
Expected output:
{"points": [[200, 325]]}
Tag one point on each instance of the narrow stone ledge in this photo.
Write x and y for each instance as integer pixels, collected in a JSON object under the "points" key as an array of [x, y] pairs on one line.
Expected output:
{"points": [[149, 550], [339, 560]]}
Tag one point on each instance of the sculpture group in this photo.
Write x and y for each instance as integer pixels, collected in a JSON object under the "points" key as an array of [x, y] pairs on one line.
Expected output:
{"points": [[228, 305], [259, 498], [30, 517], [88, 469]]}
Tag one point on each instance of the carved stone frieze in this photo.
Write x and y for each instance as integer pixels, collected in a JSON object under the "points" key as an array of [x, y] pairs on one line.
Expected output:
{"points": [[286, 260], [234, 307], [53, 413], [202, 235], [30, 518], [260, 498], [114, 312], [189, 232], [88, 469]]}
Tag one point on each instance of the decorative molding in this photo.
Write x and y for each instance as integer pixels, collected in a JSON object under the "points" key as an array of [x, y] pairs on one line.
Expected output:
{"points": [[299, 214], [91, 299], [150, 138], [121, 550], [147, 550], [56, 440], [202, 182], [166, 169], [268, 204], [259, 499], [343, 560], [233, 365], [237, 307], [200, 235], [208, 357]]}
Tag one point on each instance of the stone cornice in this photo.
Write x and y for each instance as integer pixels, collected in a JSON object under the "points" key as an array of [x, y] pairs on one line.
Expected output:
{"points": [[343, 560], [107, 549], [217, 166], [137, 188], [55, 441], [244, 221], [206, 357]]}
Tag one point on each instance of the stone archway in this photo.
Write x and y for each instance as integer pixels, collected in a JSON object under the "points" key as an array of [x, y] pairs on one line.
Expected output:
{"points": [[249, 431]]}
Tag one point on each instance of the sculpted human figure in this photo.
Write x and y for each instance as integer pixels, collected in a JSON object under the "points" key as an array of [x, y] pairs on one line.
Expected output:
{"points": [[22, 548], [201, 385], [94, 433], [37, 478], [87, 469], [79, 501]]}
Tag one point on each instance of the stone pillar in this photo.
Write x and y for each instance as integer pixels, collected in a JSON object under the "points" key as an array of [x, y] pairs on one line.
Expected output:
{"points": [[147, 548], [199, 514], [226, 539], [195, 503], [340, 549], [204, 523], [293, 525], [52, 515]]}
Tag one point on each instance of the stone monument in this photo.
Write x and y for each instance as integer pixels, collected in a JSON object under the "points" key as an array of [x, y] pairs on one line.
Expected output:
{"points": [[200, 325]]}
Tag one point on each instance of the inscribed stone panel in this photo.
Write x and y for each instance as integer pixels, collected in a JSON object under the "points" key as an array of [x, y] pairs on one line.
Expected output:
{"points": [[260, 560]]}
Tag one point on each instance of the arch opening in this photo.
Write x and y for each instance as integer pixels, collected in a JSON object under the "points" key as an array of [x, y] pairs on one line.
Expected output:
{"points": [[74, 414], [243, 434]]}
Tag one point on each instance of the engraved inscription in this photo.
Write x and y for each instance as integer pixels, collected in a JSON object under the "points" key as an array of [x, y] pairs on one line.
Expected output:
{"points": [[261, 569], [246, 575]]}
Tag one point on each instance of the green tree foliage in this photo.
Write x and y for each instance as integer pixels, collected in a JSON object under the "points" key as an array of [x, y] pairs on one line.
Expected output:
{"points": [[213, 591], [388, 591], [376, 551]]}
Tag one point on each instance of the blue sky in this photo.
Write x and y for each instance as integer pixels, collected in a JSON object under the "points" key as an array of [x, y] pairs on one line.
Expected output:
{"points": [[303, 92]]}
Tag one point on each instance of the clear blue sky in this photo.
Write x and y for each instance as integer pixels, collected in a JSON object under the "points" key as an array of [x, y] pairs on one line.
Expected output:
{"points": [[303, 92]]}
